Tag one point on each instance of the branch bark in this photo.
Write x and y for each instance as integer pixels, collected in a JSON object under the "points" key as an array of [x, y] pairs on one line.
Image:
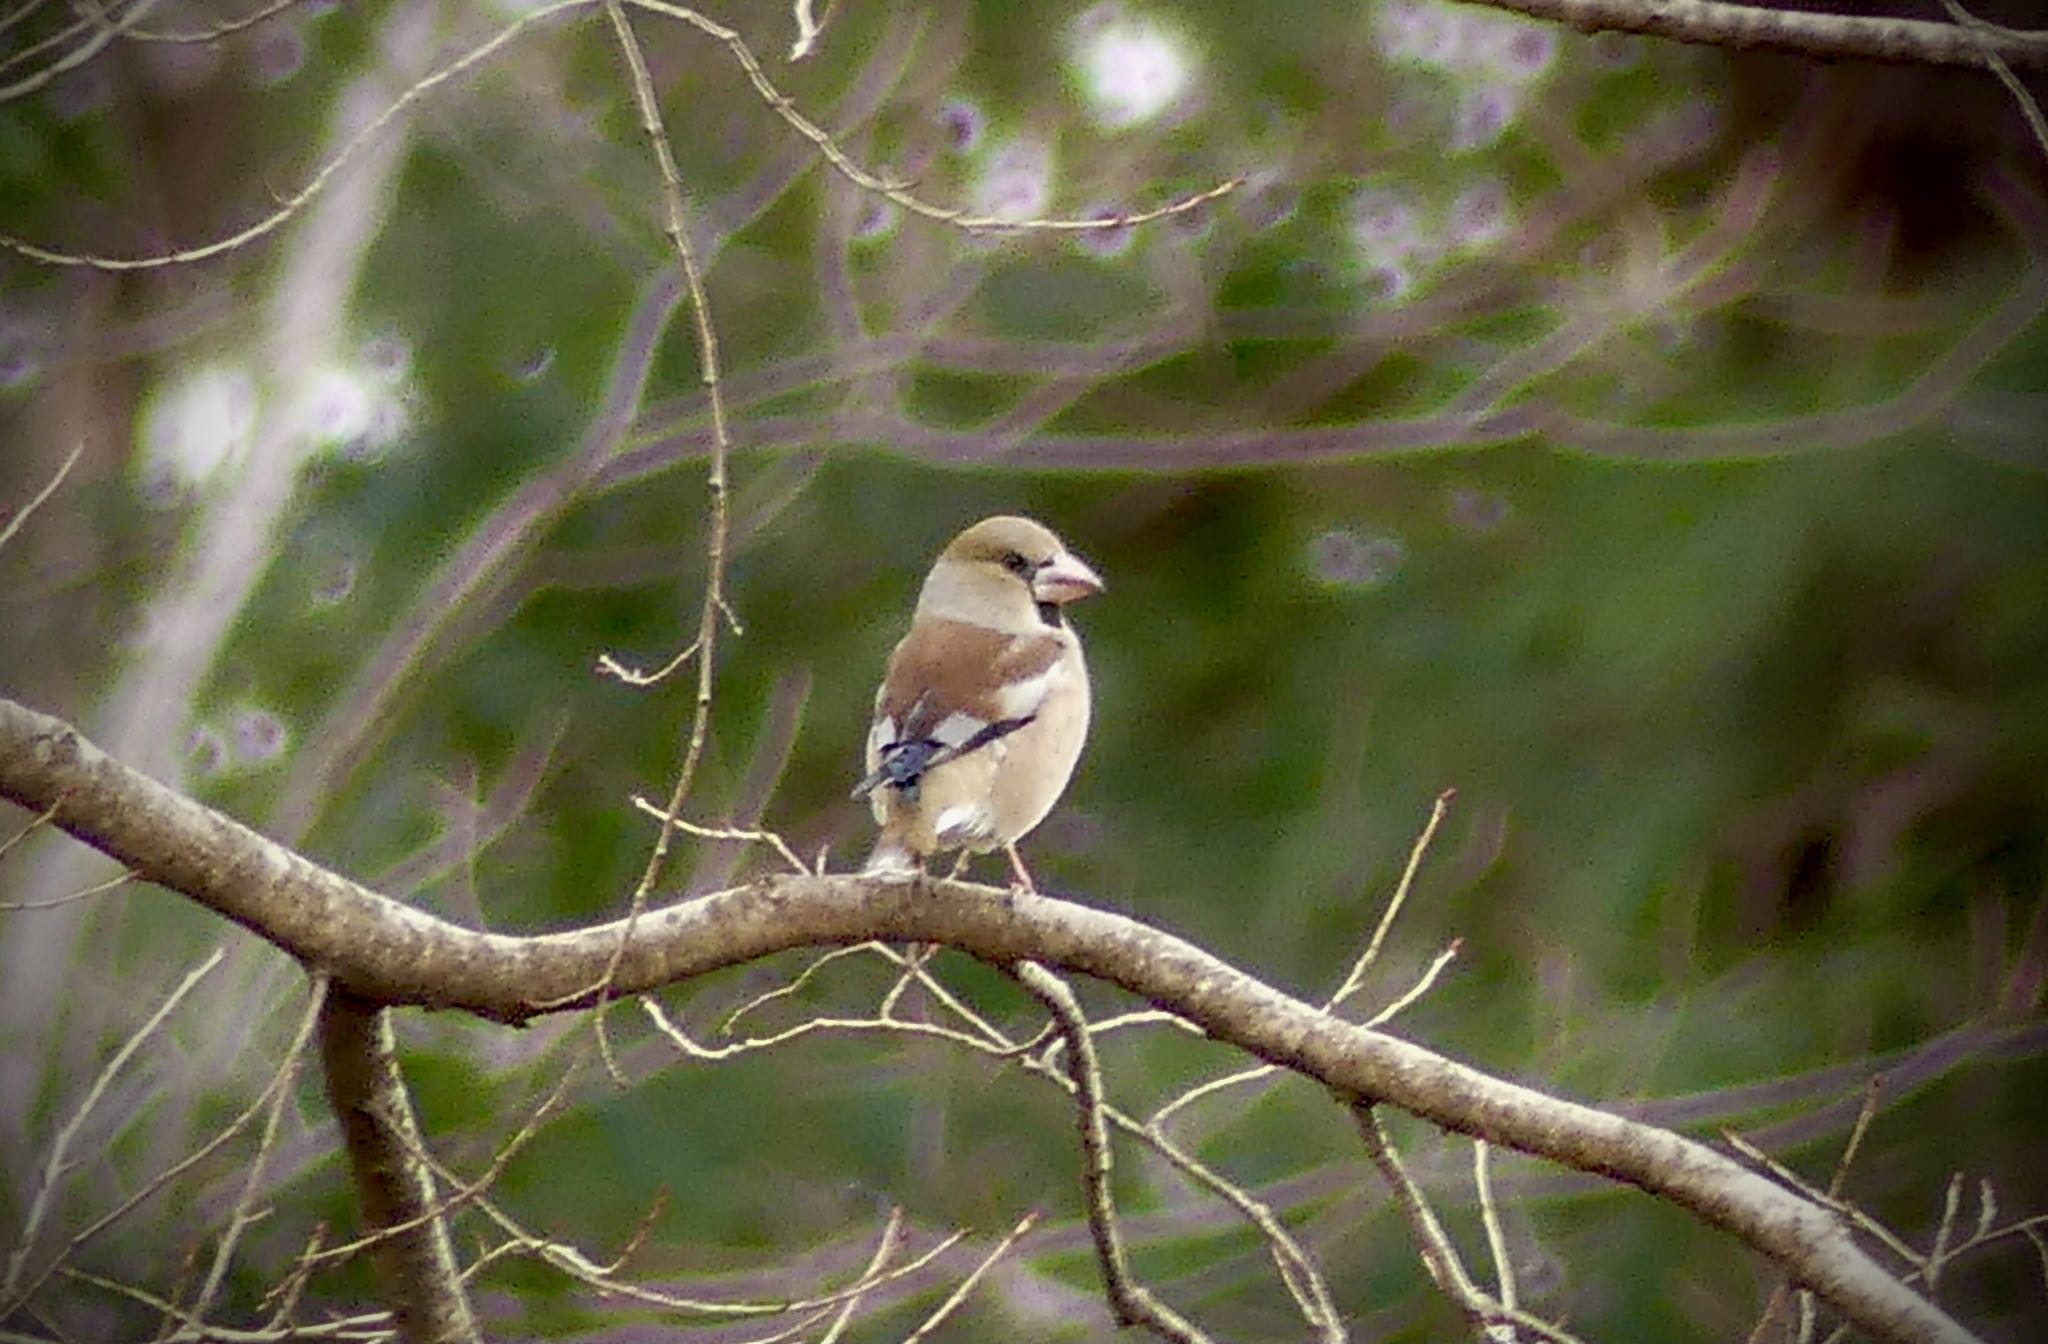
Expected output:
{"points": [[417, 1273], [1714, 23], [388, 953]]}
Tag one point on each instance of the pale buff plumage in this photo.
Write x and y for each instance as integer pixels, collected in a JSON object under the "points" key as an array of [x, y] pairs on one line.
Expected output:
{"points": [[983, 710]]}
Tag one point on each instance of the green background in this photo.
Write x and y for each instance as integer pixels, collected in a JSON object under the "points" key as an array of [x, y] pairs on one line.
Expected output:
{"points": [[1692, 530]]}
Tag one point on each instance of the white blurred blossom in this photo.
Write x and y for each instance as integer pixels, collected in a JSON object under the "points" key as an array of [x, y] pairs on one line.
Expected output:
{"points": [[356, 409], [195, 425], [1131, 68]]}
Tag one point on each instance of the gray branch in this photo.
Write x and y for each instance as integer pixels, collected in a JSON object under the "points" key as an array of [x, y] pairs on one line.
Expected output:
{"points": [[389, 953], [415, 1259], [1713, 23]]}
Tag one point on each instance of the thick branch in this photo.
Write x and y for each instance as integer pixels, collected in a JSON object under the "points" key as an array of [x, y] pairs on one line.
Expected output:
{"points": [[415, 1259], [387, 952]]}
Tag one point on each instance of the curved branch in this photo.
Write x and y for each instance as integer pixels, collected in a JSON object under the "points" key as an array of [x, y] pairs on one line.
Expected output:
{"points": [[1714, 23], [386, 952]]}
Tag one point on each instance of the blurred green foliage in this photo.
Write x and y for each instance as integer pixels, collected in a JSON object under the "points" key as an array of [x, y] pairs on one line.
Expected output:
{"points": [[1690, 527]]}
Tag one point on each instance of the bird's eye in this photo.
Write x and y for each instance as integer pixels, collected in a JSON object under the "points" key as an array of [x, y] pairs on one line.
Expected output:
{"points": [[1015, 562]]}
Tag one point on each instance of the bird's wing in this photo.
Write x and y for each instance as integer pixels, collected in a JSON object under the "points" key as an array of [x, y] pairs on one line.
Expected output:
{"points": [[952, 688]]}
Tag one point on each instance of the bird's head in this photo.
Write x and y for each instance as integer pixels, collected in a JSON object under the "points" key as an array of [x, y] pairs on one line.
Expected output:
{"points": [[1008, 572]]}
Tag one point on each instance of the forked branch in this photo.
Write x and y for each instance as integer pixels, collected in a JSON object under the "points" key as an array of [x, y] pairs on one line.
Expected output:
{"points": [[385, 952]]}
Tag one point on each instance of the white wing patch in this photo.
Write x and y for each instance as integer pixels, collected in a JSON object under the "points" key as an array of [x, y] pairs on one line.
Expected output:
{"points": [[1021, 699], [961, 824], [880, 734], [957, 729]]}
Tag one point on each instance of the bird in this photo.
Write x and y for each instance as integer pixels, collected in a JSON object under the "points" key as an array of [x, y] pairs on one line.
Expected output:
{"points": [[984, 705]]}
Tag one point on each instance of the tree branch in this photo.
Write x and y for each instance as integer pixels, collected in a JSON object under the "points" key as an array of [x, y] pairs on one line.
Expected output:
{"points": [[386, 952], [1714, 23], [419, 1277]]}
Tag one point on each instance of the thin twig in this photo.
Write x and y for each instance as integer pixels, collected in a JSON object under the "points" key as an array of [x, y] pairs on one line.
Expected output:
{"points": [[1944, 1233], [795, 986], [214, 32], [751, 836], [1872, 1090], [55, 1162], [966, 1286], [711, 1054], [80, 54], [37, 822], [1354, 977], [1489, 1216], [573, 1262], [1130, 1302], [705, 646], [368, 1326], [295, 202], [42, 496], [84, 893], [252, 1181], [1439, 1257], [891, 1241], [1982, 33], [286, 1068], [957, 217]]}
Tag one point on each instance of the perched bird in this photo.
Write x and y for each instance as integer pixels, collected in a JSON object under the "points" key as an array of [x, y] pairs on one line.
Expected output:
{"points": [[982, 712]]}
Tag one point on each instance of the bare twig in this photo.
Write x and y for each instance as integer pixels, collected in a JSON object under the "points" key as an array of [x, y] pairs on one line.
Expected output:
{"points": [[1130, 1302], [573, 1262], [959, 218], [710, 1054], [295, 202], [58, 1159], [243, 1214], [1353, 978], [83, 893], [891, 1241], [1985, 36], [36, 823], [751, 836], [794, 986], [364, 1328], [279, 1081], [216, 31], [705, 647], [41, 497], [966, 1286], [1944, 1234], [1297, 1272], [79, 55], [809, 27], [1439, 1257], [1489, 1217], [1872, 1090]]}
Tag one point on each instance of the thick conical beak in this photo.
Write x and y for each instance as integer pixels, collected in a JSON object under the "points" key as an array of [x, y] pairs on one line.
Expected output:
{"points": [[1065, 580]]}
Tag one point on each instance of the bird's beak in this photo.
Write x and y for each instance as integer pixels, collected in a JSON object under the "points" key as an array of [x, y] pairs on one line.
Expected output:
{"points": [[1065, 580]]}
